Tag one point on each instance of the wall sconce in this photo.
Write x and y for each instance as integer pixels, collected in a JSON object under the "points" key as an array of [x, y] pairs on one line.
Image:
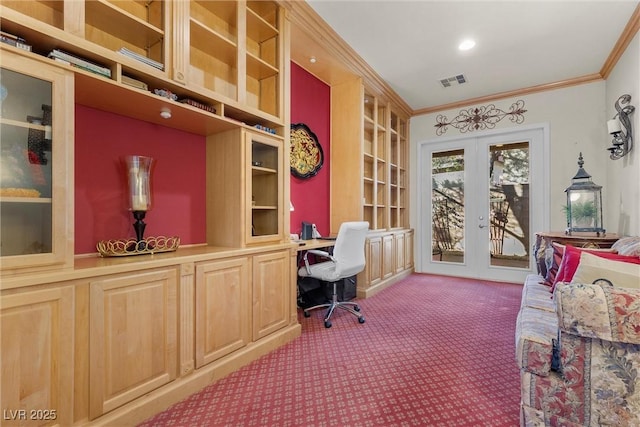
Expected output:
{"points": [[584, 203], [622, 141]]}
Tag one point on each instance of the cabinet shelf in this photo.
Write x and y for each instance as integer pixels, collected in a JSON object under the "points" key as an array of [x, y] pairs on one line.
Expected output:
{"points": [[259, 69], [213, 43], [113, 27], [259, 29], [39, 200]]}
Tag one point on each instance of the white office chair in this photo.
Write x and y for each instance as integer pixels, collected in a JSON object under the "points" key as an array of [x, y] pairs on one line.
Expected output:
{"points": [[347, 260]]}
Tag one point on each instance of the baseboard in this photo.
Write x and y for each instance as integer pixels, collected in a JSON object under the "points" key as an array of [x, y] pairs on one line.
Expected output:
{"points": [[158, 400], [372, 290]]}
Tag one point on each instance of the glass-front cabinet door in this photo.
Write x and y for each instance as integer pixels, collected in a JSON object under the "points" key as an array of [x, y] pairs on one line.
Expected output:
{"points": [[264, 185], [36, 167]]}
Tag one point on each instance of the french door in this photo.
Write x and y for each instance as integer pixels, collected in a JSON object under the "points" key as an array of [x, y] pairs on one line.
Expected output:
{"points": [[481, 201]]}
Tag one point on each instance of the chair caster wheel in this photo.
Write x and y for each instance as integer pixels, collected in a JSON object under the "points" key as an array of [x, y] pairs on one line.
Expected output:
{"points": [[306, 314], [361, 319], [356, 307], [327, 324]]}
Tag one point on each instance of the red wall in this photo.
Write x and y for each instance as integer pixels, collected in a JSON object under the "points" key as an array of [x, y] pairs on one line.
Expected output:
{"points": [[178, 179], [178, 183], [311, 105]]}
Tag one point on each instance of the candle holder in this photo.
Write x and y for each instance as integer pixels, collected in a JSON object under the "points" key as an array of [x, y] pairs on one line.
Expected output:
{"points": [[138, 170], [139, 184]]}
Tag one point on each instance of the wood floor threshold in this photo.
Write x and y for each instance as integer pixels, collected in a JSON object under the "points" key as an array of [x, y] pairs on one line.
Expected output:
{"points": [[160, 399]]}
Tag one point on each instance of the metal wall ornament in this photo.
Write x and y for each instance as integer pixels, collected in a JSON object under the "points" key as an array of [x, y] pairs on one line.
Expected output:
{"points": [[622, 142], [306, 157], [480, 118]]}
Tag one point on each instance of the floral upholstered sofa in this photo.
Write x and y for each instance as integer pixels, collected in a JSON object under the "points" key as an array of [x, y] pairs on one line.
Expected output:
{"points": [[578, 339]]}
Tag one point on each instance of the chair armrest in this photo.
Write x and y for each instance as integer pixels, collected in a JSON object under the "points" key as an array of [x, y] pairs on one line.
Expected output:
{"points": [[594, 311], [317, 252]]}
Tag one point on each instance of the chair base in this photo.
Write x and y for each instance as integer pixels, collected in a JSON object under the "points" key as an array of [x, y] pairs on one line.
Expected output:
{"points": [[344, 305]]}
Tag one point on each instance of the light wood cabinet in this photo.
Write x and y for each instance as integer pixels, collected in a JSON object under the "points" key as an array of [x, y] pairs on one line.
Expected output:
{"points": [[36, 198], [369, 153], [227, 55], [132, 338], [223, 304], [233, 50], [400, 251], [37, 357], [271, 293], [372, 274], [245, 204]]}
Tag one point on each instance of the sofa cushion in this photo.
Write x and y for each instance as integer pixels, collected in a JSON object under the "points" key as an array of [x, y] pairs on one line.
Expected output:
{"points": [[536, 295], [628, 246], [535, 331], [571, 260], [624, 273], [593, 311]]}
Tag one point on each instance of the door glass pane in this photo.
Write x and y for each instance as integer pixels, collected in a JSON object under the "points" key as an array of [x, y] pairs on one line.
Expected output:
{"points": [[25, 164], [447, 198], [509, 204]]}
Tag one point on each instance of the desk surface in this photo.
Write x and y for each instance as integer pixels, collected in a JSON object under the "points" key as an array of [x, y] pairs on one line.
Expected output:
{"points": [[304, 245]]}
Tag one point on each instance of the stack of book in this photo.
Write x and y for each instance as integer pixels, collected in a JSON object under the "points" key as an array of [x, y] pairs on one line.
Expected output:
{"points": [[141, 58], [130, 81], [74, 61], [14, 40]]}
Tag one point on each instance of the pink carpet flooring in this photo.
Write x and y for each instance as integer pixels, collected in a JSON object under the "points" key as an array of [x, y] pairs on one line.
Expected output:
{"points": [[434, 351]]}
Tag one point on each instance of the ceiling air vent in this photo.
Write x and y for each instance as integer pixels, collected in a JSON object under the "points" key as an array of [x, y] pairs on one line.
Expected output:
{"points": [[452, 81]]}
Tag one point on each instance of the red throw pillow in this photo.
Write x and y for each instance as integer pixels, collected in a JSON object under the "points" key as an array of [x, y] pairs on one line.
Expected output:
{"points": [[571, 260]]}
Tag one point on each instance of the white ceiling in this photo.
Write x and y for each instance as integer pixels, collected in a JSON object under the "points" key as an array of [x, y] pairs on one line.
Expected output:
{"points": [[413, 44]]}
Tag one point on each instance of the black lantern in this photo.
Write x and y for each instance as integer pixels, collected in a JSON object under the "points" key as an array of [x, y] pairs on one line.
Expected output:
{"points": [[584, 203]]}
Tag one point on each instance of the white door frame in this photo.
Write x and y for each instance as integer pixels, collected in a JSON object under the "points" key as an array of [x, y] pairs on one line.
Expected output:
{"points": [[539, 199]]}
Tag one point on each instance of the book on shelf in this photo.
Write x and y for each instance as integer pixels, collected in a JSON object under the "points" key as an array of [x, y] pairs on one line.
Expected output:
{"points": [[14, 40], [134, 82], [81, 67], [81, 63], [141, 58]]}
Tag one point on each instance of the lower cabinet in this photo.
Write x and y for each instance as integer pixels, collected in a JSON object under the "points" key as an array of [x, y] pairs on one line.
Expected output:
{"points": [[37, 357], [389, 257], [107, 348], [132, 339], [271, 293], [222, 307]]}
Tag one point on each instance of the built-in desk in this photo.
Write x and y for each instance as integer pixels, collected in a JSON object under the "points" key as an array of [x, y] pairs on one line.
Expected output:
{"points": [[305, 245]]}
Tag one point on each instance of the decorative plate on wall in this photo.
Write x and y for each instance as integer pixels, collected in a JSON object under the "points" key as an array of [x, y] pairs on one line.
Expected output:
{"points": [[306, 152]]}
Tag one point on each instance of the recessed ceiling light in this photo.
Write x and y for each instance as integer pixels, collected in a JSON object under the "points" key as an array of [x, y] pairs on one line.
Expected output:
{"points": [[466, 44], [313, 60]]}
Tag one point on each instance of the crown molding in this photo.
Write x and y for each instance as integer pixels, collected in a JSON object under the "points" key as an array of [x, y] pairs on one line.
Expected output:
{"points": [[589, 78], [627, 35]]}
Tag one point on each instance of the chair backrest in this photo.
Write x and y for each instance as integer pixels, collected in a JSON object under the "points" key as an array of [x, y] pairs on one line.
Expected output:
{"points": [[349, 248]]}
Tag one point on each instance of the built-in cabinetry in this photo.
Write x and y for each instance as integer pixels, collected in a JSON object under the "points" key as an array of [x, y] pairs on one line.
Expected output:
{"points": [[227, 55], [37, 356], [132, 336], [223, 300], [36, 184], [111, 341], [245, 172], [369, 158], [369, 169], [389, 258]]}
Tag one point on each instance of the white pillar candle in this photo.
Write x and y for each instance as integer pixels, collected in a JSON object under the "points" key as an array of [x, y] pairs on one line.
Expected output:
{"points": [[613, 126]]}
